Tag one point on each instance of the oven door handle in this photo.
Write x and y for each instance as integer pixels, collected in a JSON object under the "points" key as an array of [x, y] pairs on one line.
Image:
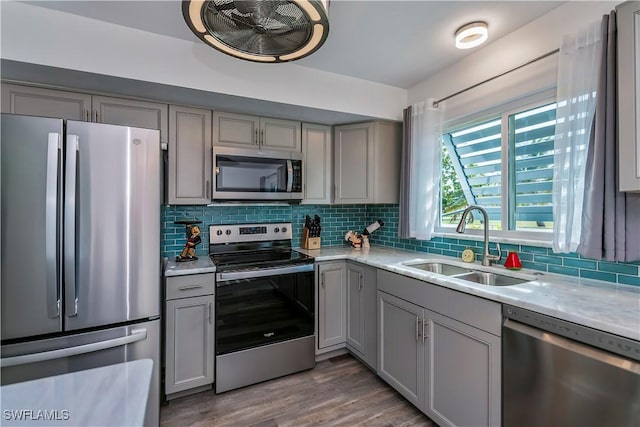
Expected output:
{"points": [[253, 274]]}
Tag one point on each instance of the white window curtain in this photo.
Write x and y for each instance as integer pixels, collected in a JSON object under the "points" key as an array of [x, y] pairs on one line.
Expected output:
{"points": [[425, 163], [577, 83]]}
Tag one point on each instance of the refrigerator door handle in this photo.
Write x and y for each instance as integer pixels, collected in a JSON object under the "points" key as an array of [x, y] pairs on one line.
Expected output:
{"points": [[136, 335], [51, 218], [71, 295]]}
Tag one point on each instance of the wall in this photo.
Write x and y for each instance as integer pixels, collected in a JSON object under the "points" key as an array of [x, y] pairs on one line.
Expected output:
{"points": [[43, 36], [531, 41], [337, 220]]}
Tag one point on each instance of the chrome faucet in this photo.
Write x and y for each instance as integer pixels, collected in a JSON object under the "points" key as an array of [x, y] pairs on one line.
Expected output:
{"points": [[487, 258]]}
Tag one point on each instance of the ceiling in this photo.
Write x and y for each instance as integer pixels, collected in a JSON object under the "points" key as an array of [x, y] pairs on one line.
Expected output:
{"points": [[395, 42]]}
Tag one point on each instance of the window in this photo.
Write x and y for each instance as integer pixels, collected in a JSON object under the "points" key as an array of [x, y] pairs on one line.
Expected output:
{"points": [[503, 163]]}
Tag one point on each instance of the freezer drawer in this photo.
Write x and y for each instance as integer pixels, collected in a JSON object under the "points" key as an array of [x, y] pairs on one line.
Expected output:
{"points": [[71, 353]]}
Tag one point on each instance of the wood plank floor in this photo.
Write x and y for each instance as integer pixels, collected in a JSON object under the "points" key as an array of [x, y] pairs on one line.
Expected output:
{"points": [[337, 392]]}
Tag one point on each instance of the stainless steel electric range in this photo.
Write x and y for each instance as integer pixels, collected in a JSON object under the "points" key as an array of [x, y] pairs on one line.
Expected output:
{"points": [[264, 304]]}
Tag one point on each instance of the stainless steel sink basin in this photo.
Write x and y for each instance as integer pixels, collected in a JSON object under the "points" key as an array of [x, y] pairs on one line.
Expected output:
{"points": [[491, 279], [439, 268]]}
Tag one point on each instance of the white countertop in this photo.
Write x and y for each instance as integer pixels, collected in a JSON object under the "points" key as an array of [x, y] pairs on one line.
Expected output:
{"points": [[202, 265], [114, 395], [601, 305]]}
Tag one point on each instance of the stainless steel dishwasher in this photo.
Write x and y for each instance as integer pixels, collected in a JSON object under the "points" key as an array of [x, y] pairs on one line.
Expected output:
{"points": [[558, 373]]}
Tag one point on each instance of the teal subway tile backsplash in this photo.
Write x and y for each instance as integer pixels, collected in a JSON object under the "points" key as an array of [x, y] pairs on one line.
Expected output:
{"points": [[338, 219]]}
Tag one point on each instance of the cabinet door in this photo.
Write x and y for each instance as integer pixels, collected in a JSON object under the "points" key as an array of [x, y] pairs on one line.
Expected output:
{"points": [[401, 347], [282, 135], [463, 374], [189, 343], [353, 163], [387, 151], [355, 308], [35, 101], [236, 130], [628, 18], [189, 156], [332, 306], [317, 150], [129, 112]]}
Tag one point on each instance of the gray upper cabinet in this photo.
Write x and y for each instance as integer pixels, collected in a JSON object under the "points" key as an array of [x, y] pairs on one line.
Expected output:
{"points": [[130, 112], [239, 130], [332, 307], [367, 163], [317, 149], [189, 172], [361, 313], [36, 101], [235, 130], [628, 17]]}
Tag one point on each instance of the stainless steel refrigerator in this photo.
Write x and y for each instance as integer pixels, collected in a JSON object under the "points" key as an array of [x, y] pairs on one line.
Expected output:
{"points": [[80, 248]]}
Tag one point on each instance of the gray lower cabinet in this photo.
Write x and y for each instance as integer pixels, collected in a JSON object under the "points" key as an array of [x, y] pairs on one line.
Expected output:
{"points": [[401, 350], [431, 354], [463, 373], [332, 306], [361, 313], [189, 333], [190, 164]]}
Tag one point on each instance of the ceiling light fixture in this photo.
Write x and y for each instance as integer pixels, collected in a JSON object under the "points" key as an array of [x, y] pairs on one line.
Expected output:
{"points": [[472, 35], [260, 31]]}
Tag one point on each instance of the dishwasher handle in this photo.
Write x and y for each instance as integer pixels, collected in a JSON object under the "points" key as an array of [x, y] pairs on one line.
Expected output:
{"points": [[574, 346]]}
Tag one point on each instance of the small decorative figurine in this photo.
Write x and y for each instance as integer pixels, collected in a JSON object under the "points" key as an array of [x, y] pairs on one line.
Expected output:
{"points": [[354, 238], [193, 240]]}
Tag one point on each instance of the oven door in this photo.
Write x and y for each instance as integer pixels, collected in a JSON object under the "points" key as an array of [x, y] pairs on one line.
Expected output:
{"points": [[260, 307], [248, 175]]}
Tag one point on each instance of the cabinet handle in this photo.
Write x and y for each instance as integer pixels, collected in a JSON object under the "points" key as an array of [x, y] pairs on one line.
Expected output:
{"points": [[424, 333], [86, 115], [359, 281], [322, 279], [262, 137], [187, 287], [210, 309], [418, 322], [97, 121], [257, 140]]}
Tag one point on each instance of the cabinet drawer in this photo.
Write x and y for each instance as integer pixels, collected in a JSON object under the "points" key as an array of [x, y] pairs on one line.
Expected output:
{"points": [[190, 286]]}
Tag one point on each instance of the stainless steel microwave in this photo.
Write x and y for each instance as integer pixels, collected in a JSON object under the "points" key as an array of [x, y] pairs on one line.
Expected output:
{"points": [[244, 174]]}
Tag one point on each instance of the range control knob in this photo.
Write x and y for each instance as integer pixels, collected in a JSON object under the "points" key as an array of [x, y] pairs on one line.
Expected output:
{"points": [[284, 229], [219, 232], [275, 230], [228, 232]]}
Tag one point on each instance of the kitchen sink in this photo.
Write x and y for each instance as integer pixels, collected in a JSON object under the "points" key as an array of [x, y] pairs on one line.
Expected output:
{"points": [[492, 279], [439, 268]]}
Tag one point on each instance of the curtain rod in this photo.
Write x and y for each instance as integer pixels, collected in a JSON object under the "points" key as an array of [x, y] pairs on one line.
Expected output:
{"points": [[435, 103]]}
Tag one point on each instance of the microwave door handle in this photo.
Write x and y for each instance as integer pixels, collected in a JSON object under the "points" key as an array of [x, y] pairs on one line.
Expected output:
{"points": [[289, 176]]}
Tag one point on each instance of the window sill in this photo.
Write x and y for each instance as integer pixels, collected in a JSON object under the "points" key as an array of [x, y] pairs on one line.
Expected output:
{"points": [[495, 238]]}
